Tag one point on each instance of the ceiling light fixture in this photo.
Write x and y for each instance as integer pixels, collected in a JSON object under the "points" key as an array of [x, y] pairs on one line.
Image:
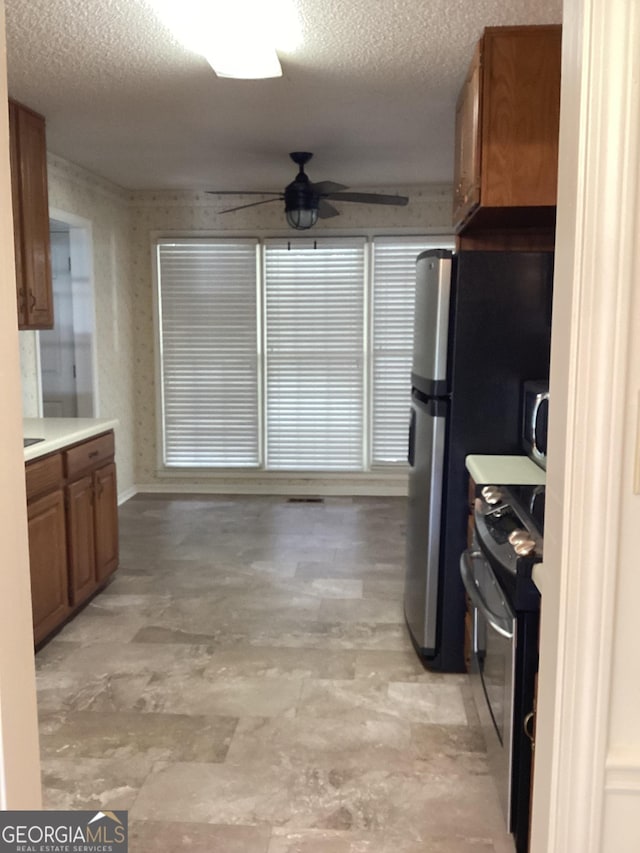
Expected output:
{"points": [[302, 218], [301, 201], [238, 38]]}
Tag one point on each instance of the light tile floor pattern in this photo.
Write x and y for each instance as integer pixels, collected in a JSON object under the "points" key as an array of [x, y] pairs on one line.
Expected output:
{"points": [[246, 685]]}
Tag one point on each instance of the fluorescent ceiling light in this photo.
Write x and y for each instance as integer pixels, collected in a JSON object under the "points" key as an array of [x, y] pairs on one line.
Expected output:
{"points": [[238, 38]]}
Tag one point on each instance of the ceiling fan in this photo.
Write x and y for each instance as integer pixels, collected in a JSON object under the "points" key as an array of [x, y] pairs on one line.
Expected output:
{"points": [[306, 202]]}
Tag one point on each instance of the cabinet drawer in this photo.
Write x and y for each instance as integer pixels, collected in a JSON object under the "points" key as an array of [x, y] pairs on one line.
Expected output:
{"points": [[89, 454], [43, 475]]}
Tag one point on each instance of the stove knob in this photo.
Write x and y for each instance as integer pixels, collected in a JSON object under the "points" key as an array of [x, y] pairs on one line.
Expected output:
{"points": [[492, 495], [518, 536], [524, 547]]}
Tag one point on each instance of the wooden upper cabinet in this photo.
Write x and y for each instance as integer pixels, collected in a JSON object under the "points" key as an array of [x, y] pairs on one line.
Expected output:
{"points": [[467, 152], [507, 125], [30, 217]]}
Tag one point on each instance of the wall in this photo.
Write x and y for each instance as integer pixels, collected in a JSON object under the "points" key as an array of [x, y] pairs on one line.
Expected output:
{"points": [[19, 755], [154, 213], [31, 394], [587, 773], [78, 192]]}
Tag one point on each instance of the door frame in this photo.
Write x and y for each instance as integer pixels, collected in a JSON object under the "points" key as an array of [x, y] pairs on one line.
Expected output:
{"points": [[587, 767], [84, 312]]}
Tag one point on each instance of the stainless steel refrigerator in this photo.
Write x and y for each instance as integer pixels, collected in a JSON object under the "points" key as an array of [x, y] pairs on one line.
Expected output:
{"points": [[482, 328]]}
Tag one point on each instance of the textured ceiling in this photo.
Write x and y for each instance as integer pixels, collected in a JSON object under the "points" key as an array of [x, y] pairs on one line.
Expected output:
{"points": [[371, 91]]}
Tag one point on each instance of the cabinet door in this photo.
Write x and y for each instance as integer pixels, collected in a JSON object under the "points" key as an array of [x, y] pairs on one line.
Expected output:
{"points": [[467, 150], [16, 197], [80, 531], [521, 116], [48, 562], [106, 520], [34, 264]]}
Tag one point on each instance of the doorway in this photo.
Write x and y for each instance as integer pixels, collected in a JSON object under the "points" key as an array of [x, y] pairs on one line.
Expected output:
{"points": [[67, 358]]}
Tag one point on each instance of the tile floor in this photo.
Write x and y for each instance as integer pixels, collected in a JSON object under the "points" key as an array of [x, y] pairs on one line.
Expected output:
{"points": [[246, 685]]}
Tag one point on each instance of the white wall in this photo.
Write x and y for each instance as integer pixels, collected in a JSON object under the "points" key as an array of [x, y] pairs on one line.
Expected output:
{"points": [[75, 191], [587, 774], [19, 751], [31, 393]]}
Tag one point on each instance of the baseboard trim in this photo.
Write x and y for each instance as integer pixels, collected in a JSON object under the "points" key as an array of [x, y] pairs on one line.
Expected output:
{"points": [[127, 494], [373, 487]]}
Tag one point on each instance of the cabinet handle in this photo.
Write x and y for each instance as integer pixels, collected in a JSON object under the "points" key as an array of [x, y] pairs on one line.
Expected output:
{"points": [[33, 299], [21, 294], [93, 454]]}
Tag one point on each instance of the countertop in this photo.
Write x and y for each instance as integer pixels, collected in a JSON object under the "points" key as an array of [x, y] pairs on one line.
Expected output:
{"points": [[505, 470], [61, 432]]}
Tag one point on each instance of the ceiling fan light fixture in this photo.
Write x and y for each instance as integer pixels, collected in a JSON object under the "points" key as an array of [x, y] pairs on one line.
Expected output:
{"points": [[300, 200], [302, 218], [306, 202]]}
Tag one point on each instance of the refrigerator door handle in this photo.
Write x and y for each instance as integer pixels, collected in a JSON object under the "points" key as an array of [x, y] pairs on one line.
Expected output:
{"points": [[425, 521], [411, 455]]}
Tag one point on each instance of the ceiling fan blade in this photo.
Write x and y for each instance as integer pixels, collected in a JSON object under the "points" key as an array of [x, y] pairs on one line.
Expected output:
{"points": [[326, 210], [251, 204], [369, 198], [242, 192], [328, 187]]}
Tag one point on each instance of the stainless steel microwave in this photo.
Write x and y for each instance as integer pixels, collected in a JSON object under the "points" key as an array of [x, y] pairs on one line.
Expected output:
{"points": [[535, 417]]}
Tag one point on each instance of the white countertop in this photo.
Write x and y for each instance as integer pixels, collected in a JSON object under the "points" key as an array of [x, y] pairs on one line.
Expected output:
{"points": [[61, 432], [505, 470]]}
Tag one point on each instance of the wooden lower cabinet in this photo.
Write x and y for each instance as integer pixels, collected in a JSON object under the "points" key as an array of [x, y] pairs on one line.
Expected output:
{"points": [[48, 563], [72, 505], [81, 539], [106, 512]]}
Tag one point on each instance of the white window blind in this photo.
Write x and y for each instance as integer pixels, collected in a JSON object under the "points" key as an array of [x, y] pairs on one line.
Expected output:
{"points": [[314, 320], [393, 294], [208, 339]]}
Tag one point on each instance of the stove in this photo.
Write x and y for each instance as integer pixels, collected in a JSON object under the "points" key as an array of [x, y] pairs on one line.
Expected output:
{"points": [[509, 529], [505, 605]]}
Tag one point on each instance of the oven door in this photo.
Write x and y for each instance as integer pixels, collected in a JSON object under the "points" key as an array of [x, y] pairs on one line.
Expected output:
{"points": [[492, 667]]}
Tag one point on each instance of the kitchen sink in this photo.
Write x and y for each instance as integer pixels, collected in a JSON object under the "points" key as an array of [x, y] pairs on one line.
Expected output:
{"points": [[29, 441]]}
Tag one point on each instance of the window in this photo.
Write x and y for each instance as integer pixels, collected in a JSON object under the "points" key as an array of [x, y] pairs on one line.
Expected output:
{"points": [[314, 332], [208, 352], [288, 354]]}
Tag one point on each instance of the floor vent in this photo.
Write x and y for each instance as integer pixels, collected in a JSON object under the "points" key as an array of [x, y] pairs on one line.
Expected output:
{"points": [[305, 500]]}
